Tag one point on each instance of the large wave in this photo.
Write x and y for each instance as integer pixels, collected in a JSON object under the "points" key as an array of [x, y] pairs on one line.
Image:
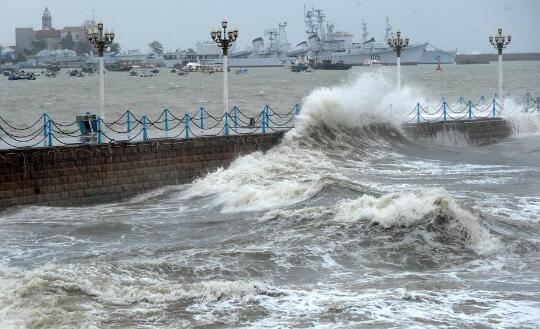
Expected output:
{"points": [[346, 119]]}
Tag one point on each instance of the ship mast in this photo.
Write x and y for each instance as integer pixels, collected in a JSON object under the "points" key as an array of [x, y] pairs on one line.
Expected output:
{"points": [[283, 43], [364, 33], [388, 30]]}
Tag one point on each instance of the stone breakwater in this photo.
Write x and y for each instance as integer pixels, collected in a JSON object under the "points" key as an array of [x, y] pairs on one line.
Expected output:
{"points": [[85, 174], [475, 132]]}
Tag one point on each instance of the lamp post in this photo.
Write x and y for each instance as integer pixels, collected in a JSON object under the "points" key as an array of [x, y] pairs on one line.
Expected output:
{"points": [[500, 41], [225, 43], [100, 40], [398, 44]]}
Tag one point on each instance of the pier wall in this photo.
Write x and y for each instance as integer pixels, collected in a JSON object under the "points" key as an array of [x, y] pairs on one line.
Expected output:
{"points": [[475, 132], [85, 174], [493, 57]]}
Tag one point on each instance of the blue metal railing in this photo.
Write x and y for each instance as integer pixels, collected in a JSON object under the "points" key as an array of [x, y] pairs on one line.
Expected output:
{"points": [[130, 128]]}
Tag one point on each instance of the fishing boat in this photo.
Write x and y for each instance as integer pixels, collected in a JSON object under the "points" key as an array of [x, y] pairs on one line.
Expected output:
{"points": [[327, 64], [22, 76]]}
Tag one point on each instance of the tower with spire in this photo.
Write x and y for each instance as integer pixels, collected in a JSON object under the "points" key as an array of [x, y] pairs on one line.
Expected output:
{"points": [[46, 20]]}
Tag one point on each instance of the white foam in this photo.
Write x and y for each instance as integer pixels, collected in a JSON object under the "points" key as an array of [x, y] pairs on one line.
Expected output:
{"points": [[427, 206]]}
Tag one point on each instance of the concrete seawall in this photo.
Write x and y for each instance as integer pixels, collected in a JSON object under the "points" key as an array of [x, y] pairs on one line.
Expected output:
{"points": [[84, 174], [475, 132]]}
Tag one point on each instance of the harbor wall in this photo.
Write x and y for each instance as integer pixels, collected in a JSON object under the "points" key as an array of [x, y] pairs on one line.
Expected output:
{"points": [[487, 58], [474, 132], [85, 174]]}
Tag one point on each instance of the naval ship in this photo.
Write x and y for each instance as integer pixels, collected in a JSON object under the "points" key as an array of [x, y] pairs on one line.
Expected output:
{"points": [[323, 43]]}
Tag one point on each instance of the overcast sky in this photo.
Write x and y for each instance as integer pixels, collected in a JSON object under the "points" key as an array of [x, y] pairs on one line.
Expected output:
{"points": [[449, 24]]}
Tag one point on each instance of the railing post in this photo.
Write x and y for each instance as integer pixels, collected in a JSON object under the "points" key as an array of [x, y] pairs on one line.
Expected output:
{"points": [[49, 132], [538, 104], [166, 120], [201, 117], [461, 100], [417, 112], [45, 116], [470, 110], [186, 125], [145, 130], [235, 117], [444, 111], [528, 100], [494, 107], [263, 117], [99, 130], [226, 128], [128, 121]]}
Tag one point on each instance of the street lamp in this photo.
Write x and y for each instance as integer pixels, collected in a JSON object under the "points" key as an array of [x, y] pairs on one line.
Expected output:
{"points": [[225, 43], [398, 44], [500, 41], [100, 41]]}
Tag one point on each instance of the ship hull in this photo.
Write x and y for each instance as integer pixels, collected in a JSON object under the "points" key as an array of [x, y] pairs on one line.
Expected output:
{"points": [[409, 56], [254, 62]]}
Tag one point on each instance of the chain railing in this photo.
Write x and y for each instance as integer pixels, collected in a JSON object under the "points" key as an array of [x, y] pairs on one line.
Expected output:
{"points": [[464, 110], [46, 132]]}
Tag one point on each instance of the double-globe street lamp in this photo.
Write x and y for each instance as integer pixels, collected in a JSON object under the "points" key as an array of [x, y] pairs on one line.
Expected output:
{"points": [[100, 40], [398, 44], [224, 41], [500, 41]]}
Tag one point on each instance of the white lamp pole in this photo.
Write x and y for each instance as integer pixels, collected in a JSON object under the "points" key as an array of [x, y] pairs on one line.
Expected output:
{"points": [[224, 42], [398, 44], [100, 40], [500, 41]]}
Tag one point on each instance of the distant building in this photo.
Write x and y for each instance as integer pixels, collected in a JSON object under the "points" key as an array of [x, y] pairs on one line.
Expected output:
{"points": [[51, 36], [7, 52], [48, 34], [46, 20], [23, 38]]}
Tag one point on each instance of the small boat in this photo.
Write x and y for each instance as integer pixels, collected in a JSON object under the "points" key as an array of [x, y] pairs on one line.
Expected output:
{"points": [[136, 71], [300, 65], [22, 76], [76, 73], [242, 70], [173, 70], [154, 71], [328, 65]]}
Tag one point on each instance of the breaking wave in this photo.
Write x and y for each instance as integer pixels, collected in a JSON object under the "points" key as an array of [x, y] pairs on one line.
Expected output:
{"points": [[334, 121]]}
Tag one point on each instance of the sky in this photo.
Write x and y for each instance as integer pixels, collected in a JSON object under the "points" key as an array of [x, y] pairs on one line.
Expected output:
{"points": [[448, 24]]}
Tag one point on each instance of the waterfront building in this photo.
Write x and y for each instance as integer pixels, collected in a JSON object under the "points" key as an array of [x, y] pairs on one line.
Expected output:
{"points": [[23, 38], [52, 37]]}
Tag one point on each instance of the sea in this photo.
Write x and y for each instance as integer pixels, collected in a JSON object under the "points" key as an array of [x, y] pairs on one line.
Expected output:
{"points": [[347, 223]]}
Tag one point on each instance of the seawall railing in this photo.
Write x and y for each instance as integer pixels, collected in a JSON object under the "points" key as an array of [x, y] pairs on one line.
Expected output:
{"points": [[47, 132], [443, 111]]}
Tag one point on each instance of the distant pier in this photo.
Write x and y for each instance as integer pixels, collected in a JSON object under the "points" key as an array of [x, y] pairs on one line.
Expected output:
{"points": [[487, 58]]}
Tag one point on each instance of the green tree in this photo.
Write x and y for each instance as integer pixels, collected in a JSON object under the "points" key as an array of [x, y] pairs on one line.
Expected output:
{"points": [[114, 47], [39, 45], [67, 41], [156, 47], [20, 56], [82, 47]]}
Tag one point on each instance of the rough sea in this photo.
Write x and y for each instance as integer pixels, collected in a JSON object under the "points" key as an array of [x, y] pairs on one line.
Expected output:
{"points": [[346, 224]]}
